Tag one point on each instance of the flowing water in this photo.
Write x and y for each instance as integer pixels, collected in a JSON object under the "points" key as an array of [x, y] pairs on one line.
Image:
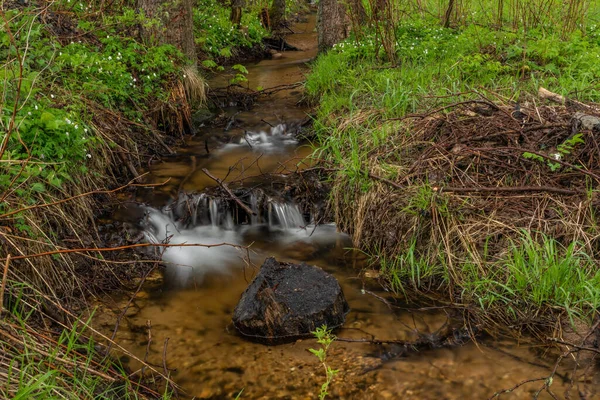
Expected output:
{"points": [[189, 315]]}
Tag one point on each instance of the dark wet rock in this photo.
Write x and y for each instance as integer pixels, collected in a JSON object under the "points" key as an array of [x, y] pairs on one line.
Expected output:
{"points": [[286, 301], [202, 116]]}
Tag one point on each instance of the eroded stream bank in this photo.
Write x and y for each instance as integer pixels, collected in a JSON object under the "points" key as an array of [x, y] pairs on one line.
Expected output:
{"points": [[190, 313]]}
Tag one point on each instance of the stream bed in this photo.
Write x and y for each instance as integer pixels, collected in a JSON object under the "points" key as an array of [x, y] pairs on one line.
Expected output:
{"points": [[191, 309]]}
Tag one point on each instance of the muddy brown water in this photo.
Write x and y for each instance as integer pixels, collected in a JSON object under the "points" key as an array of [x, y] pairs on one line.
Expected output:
{"points": [[210, 361]]}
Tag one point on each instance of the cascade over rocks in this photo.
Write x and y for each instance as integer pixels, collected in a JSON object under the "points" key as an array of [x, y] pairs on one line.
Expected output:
{"points": [[286, 301]]}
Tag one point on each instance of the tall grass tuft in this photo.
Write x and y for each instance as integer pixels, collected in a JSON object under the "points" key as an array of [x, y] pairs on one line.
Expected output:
{"points": [[43, 358]]}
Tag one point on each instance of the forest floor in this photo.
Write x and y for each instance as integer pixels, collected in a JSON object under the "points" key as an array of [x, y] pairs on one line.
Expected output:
{"points": [[468, 168]]}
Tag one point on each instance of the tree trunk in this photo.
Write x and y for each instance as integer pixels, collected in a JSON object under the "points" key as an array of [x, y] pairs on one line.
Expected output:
{"points": [[236, 12], [359, 15], [448, 15], [277, 14], [176, 24], [332, 26]]}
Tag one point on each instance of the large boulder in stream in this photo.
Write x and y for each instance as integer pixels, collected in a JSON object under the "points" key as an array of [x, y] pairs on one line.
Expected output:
{"points": [[287, 301]]}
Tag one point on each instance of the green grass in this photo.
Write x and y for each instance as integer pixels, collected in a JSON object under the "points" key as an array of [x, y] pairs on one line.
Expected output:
{"points": [[358, 91], [215, 34], [59, 364], [536, 274], [438, 67]]}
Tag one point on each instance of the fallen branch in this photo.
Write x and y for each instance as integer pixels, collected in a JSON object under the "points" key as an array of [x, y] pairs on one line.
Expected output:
{"points": [[384, 180], [119, 248], [130, 183], [557, 98], [229, 192], [575, 346], [437, 110], [548, 189], [545, 94], [518, 385]]}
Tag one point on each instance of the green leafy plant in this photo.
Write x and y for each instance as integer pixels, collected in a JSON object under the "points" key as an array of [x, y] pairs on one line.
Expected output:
{"points": [[215, 34], [325, 338], [240, 75], [562, 150]]}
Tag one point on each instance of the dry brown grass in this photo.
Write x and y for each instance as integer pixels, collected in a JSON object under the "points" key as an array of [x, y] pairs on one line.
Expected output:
{"points": [[458, 183]]}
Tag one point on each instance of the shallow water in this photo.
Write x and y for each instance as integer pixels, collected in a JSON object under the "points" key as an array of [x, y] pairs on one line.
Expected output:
{"points": [[192, 310]]}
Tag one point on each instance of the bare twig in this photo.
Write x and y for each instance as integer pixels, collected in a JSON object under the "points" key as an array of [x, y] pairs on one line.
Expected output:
{"points": [[518, 385], [149, 326], [119, 248], [229, 192], [3, 287]]}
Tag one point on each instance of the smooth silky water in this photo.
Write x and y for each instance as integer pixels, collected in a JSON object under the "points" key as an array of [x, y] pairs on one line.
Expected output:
{"points": [[193, 308]]}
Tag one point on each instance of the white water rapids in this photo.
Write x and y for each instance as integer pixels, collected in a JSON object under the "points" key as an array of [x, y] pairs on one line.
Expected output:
{"points": [[282, 226]]}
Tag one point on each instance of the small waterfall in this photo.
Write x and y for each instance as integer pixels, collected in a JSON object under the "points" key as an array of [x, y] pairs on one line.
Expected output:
{"points": [[275, 140], [196, 220], [254, 219], [199, 203], [214, 212], [189, 261], [285, 215]]}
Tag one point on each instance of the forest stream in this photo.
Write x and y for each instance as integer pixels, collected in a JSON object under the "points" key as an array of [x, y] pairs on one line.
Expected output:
{"points": [[189, 315]]}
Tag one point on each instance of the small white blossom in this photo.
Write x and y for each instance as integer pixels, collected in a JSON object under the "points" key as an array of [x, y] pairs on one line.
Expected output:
{"points": [[88, 155]]}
